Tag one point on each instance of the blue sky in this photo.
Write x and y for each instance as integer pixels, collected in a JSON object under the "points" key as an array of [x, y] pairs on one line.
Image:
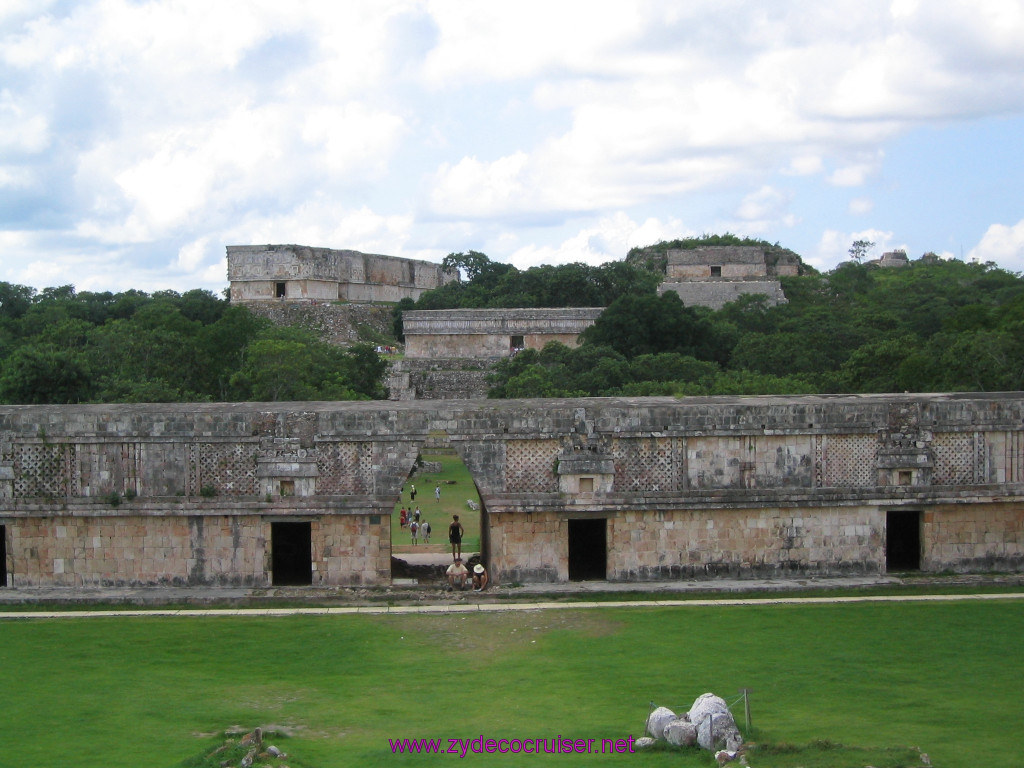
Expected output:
{"points": [[138, 139]]}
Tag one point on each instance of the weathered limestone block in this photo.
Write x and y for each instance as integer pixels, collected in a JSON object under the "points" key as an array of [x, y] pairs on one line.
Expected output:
{"points": [[657, 721], [715, 724], [718, 731], [704, 705], [681, 733]]}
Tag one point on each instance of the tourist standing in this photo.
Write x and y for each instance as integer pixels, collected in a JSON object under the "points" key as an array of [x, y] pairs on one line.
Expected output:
{"points": [[455, 533]]}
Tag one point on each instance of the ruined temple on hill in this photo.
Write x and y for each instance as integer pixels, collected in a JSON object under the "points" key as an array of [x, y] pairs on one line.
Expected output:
{"points": [[712, 276]]}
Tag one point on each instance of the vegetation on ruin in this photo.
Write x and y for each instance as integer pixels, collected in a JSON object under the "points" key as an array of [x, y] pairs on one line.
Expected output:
{"points": [[841, 686], [931, 326], [934, 325], [655, 257], [62, 346]]}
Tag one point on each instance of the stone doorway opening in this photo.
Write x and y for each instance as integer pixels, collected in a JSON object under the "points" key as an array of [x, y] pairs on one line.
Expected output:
{"points": [[903, 541], [588, 549], [3, 555], [291, 554], [444, 487]]}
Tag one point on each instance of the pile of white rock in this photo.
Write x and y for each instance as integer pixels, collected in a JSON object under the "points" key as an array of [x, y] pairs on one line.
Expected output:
{"points": [[709, 724]]}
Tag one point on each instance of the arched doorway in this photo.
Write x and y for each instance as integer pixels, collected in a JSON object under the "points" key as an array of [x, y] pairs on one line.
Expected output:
{"points": [[439, 487]]}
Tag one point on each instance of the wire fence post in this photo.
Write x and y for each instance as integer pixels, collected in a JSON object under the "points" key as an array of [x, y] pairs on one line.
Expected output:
{"points": [[746, 705]]}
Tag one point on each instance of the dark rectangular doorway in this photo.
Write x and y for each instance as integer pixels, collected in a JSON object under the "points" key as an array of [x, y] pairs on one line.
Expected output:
{"points": [[903, 541], [291, 554], [3, 555], [588, 550]]}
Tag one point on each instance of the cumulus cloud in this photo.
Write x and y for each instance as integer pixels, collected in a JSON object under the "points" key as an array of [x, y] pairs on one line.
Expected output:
{"points": [[861, 205], [1003, 245], [834, 246], [608, 240], [153, 133]]}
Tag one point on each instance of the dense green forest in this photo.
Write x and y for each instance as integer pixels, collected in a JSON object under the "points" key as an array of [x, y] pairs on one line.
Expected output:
{"points": [[931, 326], [60, 346]]}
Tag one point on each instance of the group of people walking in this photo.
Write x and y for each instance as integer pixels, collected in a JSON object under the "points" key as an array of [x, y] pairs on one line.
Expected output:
{"points": [[459, 576]]}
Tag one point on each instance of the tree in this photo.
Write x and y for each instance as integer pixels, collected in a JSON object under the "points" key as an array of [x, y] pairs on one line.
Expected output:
{"points": [[44, 373], [641, 325], [860, 249], [469, 264]]}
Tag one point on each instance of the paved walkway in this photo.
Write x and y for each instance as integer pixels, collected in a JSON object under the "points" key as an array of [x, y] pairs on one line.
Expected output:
{"points": [[228, 601]]}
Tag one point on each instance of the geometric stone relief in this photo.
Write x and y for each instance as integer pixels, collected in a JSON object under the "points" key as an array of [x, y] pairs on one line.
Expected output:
{"points": [[43, 469], [847, 460], [644, 464], [954, 458], [1015, 457], [230, 468], [530, 466], [344, 468]]}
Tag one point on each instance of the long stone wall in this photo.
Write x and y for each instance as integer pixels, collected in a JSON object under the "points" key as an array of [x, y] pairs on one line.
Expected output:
{"points": [[491, 333], [716, 294], [663, 488]]}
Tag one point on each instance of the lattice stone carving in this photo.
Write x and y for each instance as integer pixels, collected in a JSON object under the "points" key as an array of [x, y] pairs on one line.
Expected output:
{"points": [[530, 466], [848, 460], [344, 468], [954, 458], [229, 467], [1015, 457], [644, 464], [43, 469]]}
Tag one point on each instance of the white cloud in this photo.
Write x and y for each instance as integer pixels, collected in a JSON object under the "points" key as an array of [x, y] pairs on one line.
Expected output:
{"points": [[471, 188], [1003, 245], [834, 247], [608, 240], [855, 174], [861, 205], [192, 255], [154, 131], [21, 129], [765, 203]]}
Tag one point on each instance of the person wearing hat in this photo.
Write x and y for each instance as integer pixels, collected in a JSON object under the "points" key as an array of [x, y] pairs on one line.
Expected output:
{"points": [[479, 578], [457, 574]]}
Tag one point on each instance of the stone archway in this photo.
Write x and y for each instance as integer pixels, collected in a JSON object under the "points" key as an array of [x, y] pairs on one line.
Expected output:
{"points": [[444, 487]]}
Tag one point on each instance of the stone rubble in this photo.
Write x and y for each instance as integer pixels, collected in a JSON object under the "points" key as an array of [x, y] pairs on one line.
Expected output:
{"points": [[708, 724]]}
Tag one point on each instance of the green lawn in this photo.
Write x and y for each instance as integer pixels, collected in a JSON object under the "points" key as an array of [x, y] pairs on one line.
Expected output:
{"points": [[456, 488], [945, 677]]}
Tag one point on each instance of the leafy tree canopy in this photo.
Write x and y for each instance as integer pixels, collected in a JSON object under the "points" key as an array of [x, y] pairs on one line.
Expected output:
{"points": [[62, 346]]}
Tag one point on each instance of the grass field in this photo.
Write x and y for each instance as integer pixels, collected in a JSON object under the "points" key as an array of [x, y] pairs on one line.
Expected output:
{"points": [[876, 678], [457, 487]]}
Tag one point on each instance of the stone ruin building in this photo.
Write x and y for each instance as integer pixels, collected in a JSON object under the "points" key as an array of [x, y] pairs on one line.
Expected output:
{"points": [[623, 489], [334, 293], [891, 259], [712, 276], [259, 273], [449, 352]]}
